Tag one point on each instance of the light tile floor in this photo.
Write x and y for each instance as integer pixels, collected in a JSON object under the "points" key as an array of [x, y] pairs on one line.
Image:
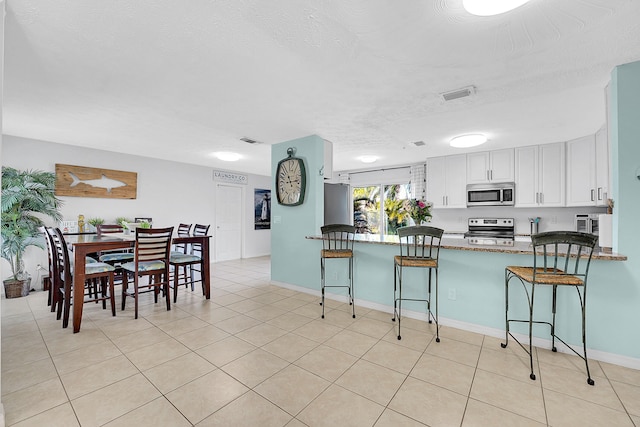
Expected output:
{"points": [[259, 355]]}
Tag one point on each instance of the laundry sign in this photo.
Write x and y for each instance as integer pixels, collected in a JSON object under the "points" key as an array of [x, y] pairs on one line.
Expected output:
{"points": [[235, 178], [81, 181]]}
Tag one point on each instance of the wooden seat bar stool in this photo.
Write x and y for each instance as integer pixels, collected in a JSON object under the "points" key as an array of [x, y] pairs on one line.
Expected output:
{"points": [[419, 247], [337, 243], [561, 259]]}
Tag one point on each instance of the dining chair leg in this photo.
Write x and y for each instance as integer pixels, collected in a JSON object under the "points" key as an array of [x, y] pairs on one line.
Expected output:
{"points": [[112, 295], [67, 306], [135, 295], [165, 283], [175, 283], [125, 287]]}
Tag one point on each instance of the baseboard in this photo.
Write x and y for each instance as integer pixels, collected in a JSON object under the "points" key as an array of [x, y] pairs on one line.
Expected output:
{"points": [[602, 356]]}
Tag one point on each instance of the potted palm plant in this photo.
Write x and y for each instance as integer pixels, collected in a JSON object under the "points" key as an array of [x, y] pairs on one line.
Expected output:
{"points": [[27, 196]]}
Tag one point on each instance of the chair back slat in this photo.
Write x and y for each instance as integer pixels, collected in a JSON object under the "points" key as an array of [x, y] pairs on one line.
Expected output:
{"points": [[109, 228], [575, 247], [184, 229], [201, 230], [338, 236], [153, 244], [420, 241], [60, 252]]}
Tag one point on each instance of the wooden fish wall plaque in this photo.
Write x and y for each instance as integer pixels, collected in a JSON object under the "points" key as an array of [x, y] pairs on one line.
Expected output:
{"points": [[80, 181]]}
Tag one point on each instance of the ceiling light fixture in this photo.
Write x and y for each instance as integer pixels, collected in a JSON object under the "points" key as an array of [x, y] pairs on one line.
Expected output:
{"points": [[368, 158], [491, 7], [227, 156], [466, 141]]}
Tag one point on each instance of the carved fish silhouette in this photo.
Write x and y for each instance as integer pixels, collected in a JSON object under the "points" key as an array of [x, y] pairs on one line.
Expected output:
{"points": [[103, 182]]}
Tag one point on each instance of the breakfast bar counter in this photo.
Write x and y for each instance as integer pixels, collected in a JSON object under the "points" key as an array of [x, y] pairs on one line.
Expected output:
{"points": [[472, 289], [456, 241]]}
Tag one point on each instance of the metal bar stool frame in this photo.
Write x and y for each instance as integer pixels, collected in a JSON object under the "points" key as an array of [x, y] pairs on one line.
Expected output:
{"points": [[337, 243], [419, 247], [576, 248]]}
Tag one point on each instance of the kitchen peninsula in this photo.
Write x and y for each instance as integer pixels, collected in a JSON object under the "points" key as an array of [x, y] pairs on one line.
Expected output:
{"points": [[471, 294]]}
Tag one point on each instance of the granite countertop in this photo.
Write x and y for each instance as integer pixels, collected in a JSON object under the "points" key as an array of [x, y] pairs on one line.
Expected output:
{"points": [[456, 241]]}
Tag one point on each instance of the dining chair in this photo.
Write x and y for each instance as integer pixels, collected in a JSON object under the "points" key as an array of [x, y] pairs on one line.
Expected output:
{"points": [[98, 284], [419, 248], [116, 256], [561, 259], [51, 267], [183, 230], [151, 259], [190, 258]]}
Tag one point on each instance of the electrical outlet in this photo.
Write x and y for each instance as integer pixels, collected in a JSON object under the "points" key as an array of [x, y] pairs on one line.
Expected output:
{"points": [[554, 220], [335, 275], [452, 294]]}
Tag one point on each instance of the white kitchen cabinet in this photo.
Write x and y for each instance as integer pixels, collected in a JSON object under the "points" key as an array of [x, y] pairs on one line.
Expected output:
{"points": [[602, 167], [447, 181], [540, 175], [586, 186], [490, 166]]}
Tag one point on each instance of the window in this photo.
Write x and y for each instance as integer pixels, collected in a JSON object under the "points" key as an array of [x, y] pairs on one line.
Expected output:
{"points": [[378, 209]]}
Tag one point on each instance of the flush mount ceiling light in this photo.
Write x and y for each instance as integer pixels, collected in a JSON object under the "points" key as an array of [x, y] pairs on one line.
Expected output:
{"points": [[227, 156], [368, 158], [466, 141], [491, 7]]}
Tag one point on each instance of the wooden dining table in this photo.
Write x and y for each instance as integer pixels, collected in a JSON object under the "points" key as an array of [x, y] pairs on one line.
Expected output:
{"points": [[85, 244]]}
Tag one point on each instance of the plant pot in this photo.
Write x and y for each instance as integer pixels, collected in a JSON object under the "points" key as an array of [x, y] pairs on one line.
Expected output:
{"points": [[15, 288]]}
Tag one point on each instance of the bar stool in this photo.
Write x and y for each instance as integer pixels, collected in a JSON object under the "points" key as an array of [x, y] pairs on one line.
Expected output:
{"points": [[419, 247], [549, 269], [337, 243]]}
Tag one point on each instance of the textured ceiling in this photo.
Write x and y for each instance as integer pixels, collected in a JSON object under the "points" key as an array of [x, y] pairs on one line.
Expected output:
{"points": [[181, 79]]}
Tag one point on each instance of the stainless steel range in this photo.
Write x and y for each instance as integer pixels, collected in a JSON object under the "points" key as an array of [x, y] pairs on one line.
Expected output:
{"points": [[491, 231]]}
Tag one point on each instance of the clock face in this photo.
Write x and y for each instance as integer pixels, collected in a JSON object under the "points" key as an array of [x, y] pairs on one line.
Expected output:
{"points": [[290, 181]]}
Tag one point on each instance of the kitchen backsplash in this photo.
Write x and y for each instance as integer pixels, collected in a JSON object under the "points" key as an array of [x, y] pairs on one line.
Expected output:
{"points": [[551, 219]]}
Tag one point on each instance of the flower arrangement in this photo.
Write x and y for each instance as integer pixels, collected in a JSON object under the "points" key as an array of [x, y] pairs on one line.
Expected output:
{"points": [[418, 210]]}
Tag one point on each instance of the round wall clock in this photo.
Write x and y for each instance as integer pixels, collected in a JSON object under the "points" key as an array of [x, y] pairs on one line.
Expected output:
{"points": [[291, 180]]}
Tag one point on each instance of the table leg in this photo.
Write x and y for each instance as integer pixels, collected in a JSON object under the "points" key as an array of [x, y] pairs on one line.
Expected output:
{"points": [[206, 263]]}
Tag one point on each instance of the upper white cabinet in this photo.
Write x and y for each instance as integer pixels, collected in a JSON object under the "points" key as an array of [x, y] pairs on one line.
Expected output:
{"points": [[588, 170], [447, 181], [603, 171], [540, 175], [490, 166]]}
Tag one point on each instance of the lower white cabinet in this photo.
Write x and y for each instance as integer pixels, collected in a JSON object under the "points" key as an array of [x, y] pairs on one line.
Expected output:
{"points": [[540, 175], [447, 181]]}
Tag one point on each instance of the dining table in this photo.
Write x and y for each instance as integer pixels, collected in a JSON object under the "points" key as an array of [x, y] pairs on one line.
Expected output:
{"points": [[84, 244]]}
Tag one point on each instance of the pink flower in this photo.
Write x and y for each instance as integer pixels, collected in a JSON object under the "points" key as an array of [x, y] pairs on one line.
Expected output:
{"points": [[421, 204]]}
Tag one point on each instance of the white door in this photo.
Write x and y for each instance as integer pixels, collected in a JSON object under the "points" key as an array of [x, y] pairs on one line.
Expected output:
{"points": [[228, 232]]}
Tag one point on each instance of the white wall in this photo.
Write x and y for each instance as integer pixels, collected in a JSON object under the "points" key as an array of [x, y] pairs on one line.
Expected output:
{"points": [[168, 192]]}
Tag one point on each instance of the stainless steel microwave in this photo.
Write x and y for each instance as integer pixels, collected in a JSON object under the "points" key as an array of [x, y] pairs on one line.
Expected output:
{"points": [[498, 194]]}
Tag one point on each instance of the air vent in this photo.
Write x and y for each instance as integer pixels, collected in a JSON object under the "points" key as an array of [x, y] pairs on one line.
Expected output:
{"points": [[418, 143], [458, 93], [250, 141]]}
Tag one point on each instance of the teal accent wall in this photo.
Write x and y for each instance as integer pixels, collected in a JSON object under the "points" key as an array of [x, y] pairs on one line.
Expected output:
{"points": [[293, 258]]}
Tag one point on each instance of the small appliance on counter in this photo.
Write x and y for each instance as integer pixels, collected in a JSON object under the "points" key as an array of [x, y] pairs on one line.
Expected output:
{"points": [[491, 231], [605, 232], [534, 224], [587, 223]]}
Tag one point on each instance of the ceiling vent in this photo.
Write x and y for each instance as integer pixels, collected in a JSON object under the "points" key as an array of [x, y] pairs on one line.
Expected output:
{"points": [[459, 93], [250, 141], [418, 143]]}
